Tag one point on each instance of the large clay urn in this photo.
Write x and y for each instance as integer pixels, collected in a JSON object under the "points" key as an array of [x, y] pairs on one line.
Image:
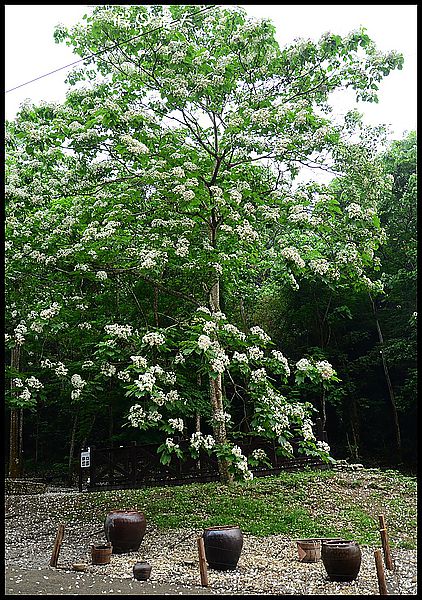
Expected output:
{"points": [[223, 545], [125, 530], [341, 559]]}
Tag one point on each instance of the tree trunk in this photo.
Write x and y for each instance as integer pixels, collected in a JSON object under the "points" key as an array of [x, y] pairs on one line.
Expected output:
{"points": [[216, 398], [219, 426], [16, 425], [388, 380], [354, 423], [156, 305], [72, 448]]}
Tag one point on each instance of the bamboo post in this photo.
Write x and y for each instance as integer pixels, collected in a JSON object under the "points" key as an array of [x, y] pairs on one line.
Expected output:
{"points": [[380, 573], [57, 546], [202, 562], [385, 545]]}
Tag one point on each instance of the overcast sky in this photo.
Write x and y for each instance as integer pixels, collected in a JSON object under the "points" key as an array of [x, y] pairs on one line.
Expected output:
{"points": [[30, 51]]}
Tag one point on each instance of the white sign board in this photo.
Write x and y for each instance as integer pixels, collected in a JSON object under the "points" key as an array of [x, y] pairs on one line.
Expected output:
{"points": [[85, 459]]}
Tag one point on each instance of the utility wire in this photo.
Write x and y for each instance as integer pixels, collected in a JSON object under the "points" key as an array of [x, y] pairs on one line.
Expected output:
{"points": [[107, 49]]}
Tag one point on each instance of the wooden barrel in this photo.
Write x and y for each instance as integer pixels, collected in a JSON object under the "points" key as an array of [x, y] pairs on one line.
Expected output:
{"points": [[101, 554], [309, 550]]}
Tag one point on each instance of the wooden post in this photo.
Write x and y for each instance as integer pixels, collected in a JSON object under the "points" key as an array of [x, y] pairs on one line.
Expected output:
{"points": [[202, 562], [57, 546], [385, 545], [380, 573]]}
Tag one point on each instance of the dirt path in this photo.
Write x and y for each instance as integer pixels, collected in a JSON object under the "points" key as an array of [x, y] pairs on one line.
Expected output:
{"points": [[49, 581]]}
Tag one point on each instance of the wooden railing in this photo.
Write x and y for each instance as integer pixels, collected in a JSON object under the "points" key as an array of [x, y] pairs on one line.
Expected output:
{"points": [[136, 466]]}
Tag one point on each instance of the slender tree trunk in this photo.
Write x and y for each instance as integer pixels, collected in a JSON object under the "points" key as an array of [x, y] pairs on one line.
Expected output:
{"points": [[83, 445], [198, 421], [388, 380], [156, 305], [37, 437], [354, 424], [16, 425], [110, 423], [72, 448], [324, 414], [216, 397]]}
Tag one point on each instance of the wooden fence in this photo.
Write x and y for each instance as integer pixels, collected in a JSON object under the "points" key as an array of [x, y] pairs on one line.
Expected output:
{"points": [[136, 466]]}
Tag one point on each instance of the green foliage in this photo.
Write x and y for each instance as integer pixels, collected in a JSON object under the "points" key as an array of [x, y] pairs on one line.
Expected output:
{"points": [[161, 193]]}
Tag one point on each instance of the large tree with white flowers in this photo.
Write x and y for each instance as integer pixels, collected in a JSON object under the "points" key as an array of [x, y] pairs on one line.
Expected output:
{"points": [[151, 211]]}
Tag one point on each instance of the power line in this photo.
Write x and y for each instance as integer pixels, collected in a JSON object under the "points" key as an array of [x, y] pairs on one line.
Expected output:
{"points": [[107, 49]]}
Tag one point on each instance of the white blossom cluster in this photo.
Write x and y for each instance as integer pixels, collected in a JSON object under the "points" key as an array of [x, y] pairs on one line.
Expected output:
{"points": [[101, 275], [209, 327], [198, 441], [259, 375], [171, 445], [240, 357], [279, 357], [235, 195], [119, 331], [246, 232], [292, 254], [308, 434], [319, 266], [123, 376], [25, 394], [241, 463], [259, 454], [260, 333], [78, 384], [324, 367], [255, 353], [77, 381], [176, 424], [179, 359], [204, 342], [108, 370], [34, 383], [59, 368], [303, 364], [153, 338], [139, 361], [220, 416], [269, 212], [136, 415], [87, 364], [234, 330], [323, 446], [220, 360], [133, 145], [30, 382], [20, 331], [52, 311], [182, 247], [145, 382], [354, 211]]}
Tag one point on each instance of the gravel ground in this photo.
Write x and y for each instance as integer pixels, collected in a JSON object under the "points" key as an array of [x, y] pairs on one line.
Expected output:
{"points": [[268, 565]]}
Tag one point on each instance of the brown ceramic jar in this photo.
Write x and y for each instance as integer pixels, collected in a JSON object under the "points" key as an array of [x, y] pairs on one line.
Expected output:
{"points": [[341, 559], [125, 530]]}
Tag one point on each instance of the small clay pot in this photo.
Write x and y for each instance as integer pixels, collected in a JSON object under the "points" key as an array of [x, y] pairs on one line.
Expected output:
{"points": [[142, 571]]}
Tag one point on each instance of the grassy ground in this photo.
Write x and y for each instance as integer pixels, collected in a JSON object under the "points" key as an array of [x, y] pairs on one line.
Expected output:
{"points": [[326, 503]]}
